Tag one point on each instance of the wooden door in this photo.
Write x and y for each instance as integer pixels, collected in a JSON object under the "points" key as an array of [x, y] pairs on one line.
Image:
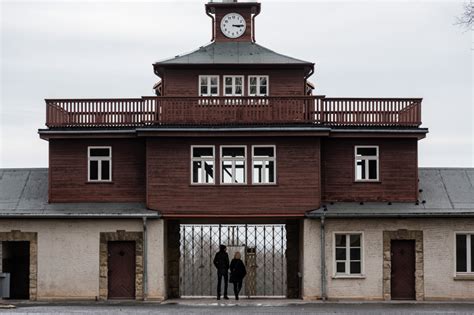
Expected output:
{"points": [[121, 270], [403, 270]]}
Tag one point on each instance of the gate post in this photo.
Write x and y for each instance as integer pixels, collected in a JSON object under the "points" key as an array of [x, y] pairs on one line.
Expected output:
{"points": [[292, 258], [172, 249]]}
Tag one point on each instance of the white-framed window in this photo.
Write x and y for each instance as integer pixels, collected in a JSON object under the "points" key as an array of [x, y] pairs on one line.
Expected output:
{"points": [[202, 164], [366, 163], [258, 85], [208, 85], [263, 164], [233, 85], [464, 252], [348, 253], [99, 164], [233, 159]]}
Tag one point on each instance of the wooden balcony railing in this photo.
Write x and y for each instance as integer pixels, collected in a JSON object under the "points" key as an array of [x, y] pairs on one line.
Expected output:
{"points": [[164, 110]]}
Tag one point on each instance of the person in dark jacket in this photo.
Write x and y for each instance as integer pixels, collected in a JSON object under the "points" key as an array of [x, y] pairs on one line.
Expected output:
{"points": [[221, 261], [237, 273]]}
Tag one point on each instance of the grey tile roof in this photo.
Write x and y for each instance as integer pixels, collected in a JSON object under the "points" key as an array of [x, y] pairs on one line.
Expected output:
{"points": [[24, 193], [444, 192], [232, 53]]}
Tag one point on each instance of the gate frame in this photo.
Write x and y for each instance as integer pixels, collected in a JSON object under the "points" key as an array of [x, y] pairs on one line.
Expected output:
{"points": [[120, 235], [403, 234], [221, 224]]}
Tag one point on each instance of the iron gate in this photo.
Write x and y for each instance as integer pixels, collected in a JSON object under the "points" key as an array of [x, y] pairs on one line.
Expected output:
{"points": [[262, 247]]}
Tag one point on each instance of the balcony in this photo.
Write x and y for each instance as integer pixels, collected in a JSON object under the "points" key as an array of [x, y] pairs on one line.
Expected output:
{"points": [[186, 111]]}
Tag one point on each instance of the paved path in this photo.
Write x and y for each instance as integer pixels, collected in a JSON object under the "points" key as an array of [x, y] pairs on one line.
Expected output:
{"points": [[230, 307]]}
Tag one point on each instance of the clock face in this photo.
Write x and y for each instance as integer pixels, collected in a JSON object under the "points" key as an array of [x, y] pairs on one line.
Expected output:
{"points": [[233, 25]]}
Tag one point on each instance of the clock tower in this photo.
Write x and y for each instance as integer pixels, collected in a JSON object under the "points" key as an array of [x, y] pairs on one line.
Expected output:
{"points": [[233, 21]]}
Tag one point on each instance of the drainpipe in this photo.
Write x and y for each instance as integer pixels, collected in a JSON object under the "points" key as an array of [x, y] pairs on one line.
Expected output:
{"points": [[323, 260], [145, 275], [213, 25]]}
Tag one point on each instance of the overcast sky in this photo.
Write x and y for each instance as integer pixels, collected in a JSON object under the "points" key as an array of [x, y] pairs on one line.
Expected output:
{"points": [[361, 49]]}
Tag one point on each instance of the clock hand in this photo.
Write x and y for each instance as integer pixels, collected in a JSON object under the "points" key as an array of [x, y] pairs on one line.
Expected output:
{"points": [[238, 25]]}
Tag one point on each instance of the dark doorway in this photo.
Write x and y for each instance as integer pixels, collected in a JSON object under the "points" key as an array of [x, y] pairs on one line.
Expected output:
{"points": [[121, 270], [403, 270], [16, 261]]}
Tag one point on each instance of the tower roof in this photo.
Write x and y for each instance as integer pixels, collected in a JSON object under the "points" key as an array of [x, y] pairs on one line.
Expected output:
{"points": [[220, 53]]}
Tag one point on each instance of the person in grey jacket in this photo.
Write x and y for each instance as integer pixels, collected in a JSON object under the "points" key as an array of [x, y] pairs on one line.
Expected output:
{"points": [[221, 261]]}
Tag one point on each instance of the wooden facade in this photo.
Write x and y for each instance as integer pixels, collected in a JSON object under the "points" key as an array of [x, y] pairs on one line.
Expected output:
{"points": [[296, 191], [68, 181], [398, 171], [314, 136]]}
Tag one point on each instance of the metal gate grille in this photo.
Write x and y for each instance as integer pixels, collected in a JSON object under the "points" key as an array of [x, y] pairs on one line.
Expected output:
{"points": [[262, 247]]}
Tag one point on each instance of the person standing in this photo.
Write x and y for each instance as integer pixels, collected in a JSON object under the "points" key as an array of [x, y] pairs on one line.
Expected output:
{"points": [[221, 261], [237, 273]]}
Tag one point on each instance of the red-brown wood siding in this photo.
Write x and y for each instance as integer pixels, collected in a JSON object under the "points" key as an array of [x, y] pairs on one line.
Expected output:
{"points": [[185, 82], [398, 171], [68, 171], [169, 173]]}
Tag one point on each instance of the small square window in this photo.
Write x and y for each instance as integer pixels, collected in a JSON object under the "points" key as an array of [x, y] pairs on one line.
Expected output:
{"points": [[258, 85], [233, 85], [209, 85]]}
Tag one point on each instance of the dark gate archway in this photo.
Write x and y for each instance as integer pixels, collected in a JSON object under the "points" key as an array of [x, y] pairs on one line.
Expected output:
{"points": [[263, 249]]}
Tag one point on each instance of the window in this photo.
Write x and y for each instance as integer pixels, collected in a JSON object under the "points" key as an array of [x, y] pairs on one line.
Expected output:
{"points": [[258, 85], [99, 164], [348, 254], [202, 164], [367, 163], [263, 163], [233, 164], [464, 253], [208, 85], [233, 85]]}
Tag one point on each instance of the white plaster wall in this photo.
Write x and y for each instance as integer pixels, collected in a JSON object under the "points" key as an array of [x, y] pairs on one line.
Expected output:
{"points": [[156, 260], [311, 260], [68, 254], [438, 247]]}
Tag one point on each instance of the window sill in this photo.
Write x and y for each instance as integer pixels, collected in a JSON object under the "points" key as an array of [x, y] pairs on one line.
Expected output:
{"points": [[100, 182], [361, 276], [367, 181], [464, 277]]}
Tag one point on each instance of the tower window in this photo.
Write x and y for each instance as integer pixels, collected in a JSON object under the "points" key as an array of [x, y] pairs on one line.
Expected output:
{"points": [[263, 163], [209, 85], [366, 163], [202, 164], [233, 85], [233, 164], [258, 85], [99, 164]]}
